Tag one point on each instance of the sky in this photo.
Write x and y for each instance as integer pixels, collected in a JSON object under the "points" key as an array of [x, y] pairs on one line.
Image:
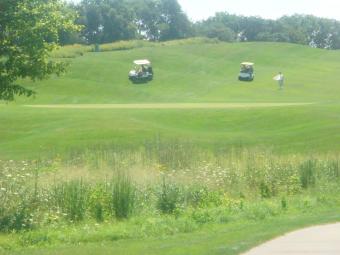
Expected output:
{"points": [[271, 9]]}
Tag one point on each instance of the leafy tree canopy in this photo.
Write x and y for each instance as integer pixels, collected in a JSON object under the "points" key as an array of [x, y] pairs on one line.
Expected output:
{"points": [[29, 31]]}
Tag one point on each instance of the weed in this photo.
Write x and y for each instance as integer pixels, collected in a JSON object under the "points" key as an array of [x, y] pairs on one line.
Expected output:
{"points": [[308, 173], [72, 199], [123, 195], [168, 197]]}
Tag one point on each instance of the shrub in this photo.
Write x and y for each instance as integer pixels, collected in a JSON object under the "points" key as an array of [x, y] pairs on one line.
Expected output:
{"points": [[168, 198], [16, 217], [308, 173], [265, 190], [97, 200], [200, 196], [123, 195], [202, 216]]}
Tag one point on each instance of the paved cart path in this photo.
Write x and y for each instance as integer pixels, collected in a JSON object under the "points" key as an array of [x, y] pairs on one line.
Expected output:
{"points": [[320, 240], [167, 105]]}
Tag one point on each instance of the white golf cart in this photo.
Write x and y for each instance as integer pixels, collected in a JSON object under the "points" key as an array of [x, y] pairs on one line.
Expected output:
{"points": [[142, 71], [246, 72]]}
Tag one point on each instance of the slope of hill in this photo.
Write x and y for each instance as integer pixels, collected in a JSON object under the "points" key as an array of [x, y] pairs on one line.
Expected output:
{"points": [[200, 72]]}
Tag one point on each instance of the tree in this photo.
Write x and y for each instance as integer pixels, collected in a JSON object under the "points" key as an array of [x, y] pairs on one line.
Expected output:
{"points": [[107, 20], [217, 30], [174, 24], [147, 18], [29, 31]]}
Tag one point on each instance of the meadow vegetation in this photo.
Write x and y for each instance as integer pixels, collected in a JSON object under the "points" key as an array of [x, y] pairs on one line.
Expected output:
{"points": [[76, 50], [154, 193]]}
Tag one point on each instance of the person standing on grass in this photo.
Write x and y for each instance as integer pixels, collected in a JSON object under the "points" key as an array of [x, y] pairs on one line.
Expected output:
{"points": [[280, 79]]}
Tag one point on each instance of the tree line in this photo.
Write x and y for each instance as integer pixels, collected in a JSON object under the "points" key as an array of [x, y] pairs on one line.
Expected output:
{"points": [[106, 21]]}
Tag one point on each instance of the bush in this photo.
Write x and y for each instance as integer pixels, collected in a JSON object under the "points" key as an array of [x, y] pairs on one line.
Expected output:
{"points": [[97, 200], [200, 196], [123, 195], [308, 173], [168, 198]]}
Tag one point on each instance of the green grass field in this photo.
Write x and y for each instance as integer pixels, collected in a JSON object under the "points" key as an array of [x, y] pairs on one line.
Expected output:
{"points": [[194, 104], [189, 73], [197, 73]]}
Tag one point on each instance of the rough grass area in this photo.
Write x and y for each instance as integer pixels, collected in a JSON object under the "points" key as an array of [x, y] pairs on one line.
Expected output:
{"points": [[44, 204], [77, 50]]}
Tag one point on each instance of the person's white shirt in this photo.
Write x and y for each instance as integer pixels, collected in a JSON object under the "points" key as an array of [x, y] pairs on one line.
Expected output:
{"points": [[280, 77]]}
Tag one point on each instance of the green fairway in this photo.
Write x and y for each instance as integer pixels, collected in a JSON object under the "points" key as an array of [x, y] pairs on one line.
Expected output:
{"points": [[197, 73], [35, 132], [195, 96]]}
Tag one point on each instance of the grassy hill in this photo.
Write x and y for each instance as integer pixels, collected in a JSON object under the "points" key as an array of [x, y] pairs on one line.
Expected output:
{"points": [[195, 72]]}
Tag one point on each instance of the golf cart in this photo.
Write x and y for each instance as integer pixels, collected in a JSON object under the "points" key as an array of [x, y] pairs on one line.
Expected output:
{"points": [[142, 71], [246, 72]]}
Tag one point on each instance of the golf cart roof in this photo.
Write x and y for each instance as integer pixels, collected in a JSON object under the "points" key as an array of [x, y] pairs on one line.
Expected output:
{"points": [[247, 64], [142, 62]]}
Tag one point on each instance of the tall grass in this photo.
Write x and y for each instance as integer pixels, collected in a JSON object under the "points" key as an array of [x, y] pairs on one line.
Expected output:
{"points": [[76, 50], [123, 194], [71, 198], [160, 177]]}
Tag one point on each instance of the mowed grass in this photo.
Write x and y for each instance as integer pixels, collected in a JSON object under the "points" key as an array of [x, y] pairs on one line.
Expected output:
{"points": [[200, 72], [27, 133], [232, 239], [187, 73]]}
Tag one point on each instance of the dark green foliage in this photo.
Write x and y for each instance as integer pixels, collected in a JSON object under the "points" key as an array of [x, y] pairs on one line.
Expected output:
{"points": [[106, 21], [97, 202], [113, 20], [17, 218], [265, 190], [123, 194], [284, 204], [29, 32], [301, 29], [308, 173], [168, 198], [173, 24]]}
